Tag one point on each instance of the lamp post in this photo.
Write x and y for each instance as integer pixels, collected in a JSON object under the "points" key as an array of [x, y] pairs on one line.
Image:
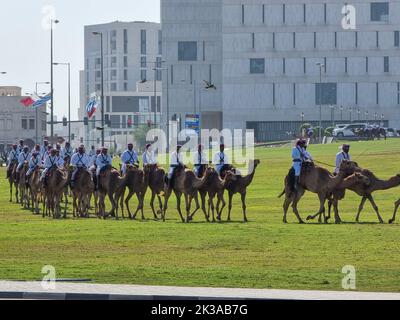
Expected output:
{"points": [[320, 65], [102, 84], [52, 23], [341, 113], [69, 95], [37, 111], [166, 69]]}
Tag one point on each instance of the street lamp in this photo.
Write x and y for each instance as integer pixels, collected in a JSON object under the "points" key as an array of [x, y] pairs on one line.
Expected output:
{"points": [[102, 84], [52, 23], [37, 111], [69, 95], [320, 65]]}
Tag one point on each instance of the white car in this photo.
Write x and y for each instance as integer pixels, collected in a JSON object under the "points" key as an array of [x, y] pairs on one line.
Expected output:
{"points": [[348, 130], [391, 132]]}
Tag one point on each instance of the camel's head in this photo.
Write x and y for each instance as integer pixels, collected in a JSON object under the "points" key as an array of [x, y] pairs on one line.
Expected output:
{"points": [[347, 167], [360, 178], [230, 176]]}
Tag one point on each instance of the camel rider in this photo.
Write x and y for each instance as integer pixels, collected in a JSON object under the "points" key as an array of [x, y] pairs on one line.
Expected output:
{"points": [[343, 155], [67, 151], [12, 158], [92, 152], [129, 156], [34, 162], [103, 161], [46, 154], [299, 155], [60, 160], [20, 147], [23, 156], [199, 160], [79, 160], [175, 161], [93, 159], [44, 149], [148, 156], [221, 160], [50, 163]]}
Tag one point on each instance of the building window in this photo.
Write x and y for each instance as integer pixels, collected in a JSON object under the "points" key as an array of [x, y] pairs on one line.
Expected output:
{"points": [[366, 65], [113, 86], [125, 61], [325, 20], [356, 39], [143, 75], [380, 11], [143, 47], [24, 124], [386, 64], [294, 40], [187, 51], [377, 39], [113, 74], [273, 94], [210, 73], [125, 74], [263, 13], [159, 42], [204, 51], [113, 62], [242, 13], [398, 92], [273, 40], [172, 74], [304, 65], [326, 93], [304, 13], [113, 41], [257, 66], [294, 94], [397, 39], [125, 41], [253, 40], [158, 72], [31, 124], [143, 62], [315, 40], [335, 39], [356, 91], [345, 65], [284, 13], [284, 66]]}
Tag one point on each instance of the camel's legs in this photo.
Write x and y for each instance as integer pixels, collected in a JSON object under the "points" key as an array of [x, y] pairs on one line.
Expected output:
{"points": [[220, 200], [160, 202], [211, 207], [286, 205], [335, 203], [153, 196], [178, 200], [369, 197], [360, 208], [11, 189], [127, 204], [203, 203], [243, 196], [230, 205], [139, 206], [295, 210], [196, 201], [188, 201], [321, 211], [396, 207]]}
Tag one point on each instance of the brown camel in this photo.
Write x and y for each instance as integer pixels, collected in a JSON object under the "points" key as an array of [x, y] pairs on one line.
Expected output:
{"points": [[396, 207], [35, 189], [137, 181], [156, 185], [22, 187], [185, 182], [365, 191], [215, 186], [317, 180], [81, 193], [12, 179], [54, 189], [239, 185], [110, 183]]}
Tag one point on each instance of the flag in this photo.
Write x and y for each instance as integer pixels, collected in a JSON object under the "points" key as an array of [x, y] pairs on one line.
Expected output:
{"points": [[91, 107], [41, 101], [35, 101], [27, 102]]}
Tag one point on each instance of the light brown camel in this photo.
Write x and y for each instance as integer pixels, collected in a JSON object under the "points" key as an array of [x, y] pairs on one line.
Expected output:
{"points": [[54, 189], [81, 193], [22, 187], [156, 185], [12, 179], [239, 185], [184, 182], [365, 191], [110, 183], [35, 189], [317, 180], [396, 207], [215, 186]]}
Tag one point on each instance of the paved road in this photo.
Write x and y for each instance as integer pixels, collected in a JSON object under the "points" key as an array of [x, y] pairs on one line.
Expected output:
{"points": [[62, 291]]}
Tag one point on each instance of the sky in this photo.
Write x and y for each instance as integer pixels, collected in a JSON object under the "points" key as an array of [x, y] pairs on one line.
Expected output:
{"points": [[25, 41]]}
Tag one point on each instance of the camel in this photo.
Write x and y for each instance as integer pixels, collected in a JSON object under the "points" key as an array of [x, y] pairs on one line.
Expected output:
{"points": [[82, 192], [184, 182], [156, 185], [136, 181], [215, 186], [110, 183], [35, 188], [12, 178], [22, 187], [365, 191], [396, 207], [317, 180], [239, 185], [54, 189]]}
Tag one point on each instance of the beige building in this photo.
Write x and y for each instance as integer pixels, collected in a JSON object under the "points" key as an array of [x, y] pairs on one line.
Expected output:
{"points": [[10, 91]]}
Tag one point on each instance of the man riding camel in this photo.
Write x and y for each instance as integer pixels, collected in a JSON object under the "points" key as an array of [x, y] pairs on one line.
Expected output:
{"points": [[176, 161], [299, 155], [23, 156], [342, 155], [103, 161], [221, 160], [44, 149], [79, 160], [129, 156], [34, 162], [199, 160], [20, 147], [67, 151], [148, 156], [50, 163], [12, 158]]}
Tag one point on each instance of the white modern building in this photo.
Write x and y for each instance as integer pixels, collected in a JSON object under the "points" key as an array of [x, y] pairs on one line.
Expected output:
{"points": [[131, 51], [263, 58]]}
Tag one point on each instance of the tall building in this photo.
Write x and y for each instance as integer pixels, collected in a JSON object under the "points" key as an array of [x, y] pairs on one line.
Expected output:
{"points": [[275, 62], [131, 51]]}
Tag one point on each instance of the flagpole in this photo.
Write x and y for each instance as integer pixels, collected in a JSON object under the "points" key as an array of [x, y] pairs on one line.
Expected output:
{"points": [[52, 22]]}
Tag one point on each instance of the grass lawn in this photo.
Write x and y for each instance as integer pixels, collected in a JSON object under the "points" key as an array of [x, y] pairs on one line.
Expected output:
{"points": [[263, 253]]}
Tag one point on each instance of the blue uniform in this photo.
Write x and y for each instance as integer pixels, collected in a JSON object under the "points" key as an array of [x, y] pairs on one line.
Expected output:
{"points": [[102, 161], [128, 157], [299, 155]]}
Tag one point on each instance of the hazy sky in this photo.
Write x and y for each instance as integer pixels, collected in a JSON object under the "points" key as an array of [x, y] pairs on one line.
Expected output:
{"points": [[25, 41]]}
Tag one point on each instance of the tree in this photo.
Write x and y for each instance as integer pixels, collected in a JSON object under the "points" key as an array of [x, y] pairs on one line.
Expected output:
{"points": [[139, 135]]}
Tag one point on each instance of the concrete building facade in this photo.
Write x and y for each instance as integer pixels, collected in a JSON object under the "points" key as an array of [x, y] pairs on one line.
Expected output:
{"points": [[264, 56]]}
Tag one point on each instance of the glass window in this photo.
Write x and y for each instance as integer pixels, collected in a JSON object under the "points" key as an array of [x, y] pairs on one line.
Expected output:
{"points": [[326, 93], [386, 64], [144, 105], [143, 75], [257, 65], [125, 74], [187, 51], [397, 39], [113, 62], [380, 11], [125, 41], [159, 42], [24, 124], [125, 61], [113, 74], [125, 86], [113, 86], [143, 62], [31, 124], [143, 37]]}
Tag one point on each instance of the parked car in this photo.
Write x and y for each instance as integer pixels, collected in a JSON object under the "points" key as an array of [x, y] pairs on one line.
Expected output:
{"points": [[348, 130], [391, 132]]}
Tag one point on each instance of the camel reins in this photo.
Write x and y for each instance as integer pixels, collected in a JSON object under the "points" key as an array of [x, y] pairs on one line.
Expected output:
{"points": [[326, 164]]}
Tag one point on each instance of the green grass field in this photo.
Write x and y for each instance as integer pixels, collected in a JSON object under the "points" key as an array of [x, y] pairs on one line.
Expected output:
{"points": [[263, 253]]}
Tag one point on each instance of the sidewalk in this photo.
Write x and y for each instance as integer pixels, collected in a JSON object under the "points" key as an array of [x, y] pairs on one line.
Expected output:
{"points": [[72, 291]]}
